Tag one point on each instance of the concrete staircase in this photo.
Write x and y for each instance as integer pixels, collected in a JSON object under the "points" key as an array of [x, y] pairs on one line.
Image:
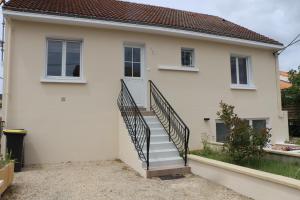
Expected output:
{"points": [[164, 157]]}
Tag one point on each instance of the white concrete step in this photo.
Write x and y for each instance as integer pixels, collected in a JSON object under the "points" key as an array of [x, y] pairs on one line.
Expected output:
{"points": [[157, 130], [154, 125], [163, 162], [161, 145], [163, 153], [158, 138], [151, 119]]}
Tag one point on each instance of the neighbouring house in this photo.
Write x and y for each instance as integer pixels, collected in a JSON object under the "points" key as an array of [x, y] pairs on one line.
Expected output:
{"points": [[284, 80], [64, 61]]}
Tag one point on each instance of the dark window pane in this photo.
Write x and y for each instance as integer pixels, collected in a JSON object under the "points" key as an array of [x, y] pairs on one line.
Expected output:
{"points": [[233, 70], [128, 54], [128, 69], [222, 132], [247, 121], [243, 70], [136, 55], [258, 125], [187, 58], [73, 59], [136, 69], [54, 63]]}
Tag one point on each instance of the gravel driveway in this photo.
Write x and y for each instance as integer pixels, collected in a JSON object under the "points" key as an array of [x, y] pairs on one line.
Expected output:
{"points": [[107, 180]]}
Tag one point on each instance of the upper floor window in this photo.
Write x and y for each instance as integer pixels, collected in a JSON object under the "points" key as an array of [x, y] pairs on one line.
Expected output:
{"points": [[63, 58], [187, 57], [240, 70]]}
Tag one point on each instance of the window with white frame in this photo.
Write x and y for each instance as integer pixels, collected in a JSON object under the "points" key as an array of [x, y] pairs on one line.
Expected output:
{"points": [[222, 132], [240, 70], [132, 61], [63, 59], [187, 57]]}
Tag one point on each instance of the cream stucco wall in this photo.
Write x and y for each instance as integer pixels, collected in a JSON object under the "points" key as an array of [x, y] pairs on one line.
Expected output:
{"points": [[85, 126], [127, 152]]}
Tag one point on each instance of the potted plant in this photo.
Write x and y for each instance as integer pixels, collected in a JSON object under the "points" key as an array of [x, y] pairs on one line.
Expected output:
{"points": [[6, 168]]}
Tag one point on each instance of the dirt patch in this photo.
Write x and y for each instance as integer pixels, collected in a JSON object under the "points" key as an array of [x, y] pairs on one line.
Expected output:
{"points": [[108, 180]]}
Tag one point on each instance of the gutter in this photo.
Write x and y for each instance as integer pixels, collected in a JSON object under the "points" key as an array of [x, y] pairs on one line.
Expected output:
{"points": [[58, 19]]}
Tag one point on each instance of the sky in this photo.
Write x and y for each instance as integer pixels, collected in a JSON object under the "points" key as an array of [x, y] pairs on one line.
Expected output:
{"points": [[278, 19]]}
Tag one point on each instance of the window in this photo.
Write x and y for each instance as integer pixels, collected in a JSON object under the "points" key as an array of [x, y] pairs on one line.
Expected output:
{"points": [[222, 131], [187, 57], [258, 125], [63, 59], [132, 62], [240, 70]]}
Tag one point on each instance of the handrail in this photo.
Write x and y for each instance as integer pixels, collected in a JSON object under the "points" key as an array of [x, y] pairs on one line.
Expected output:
{"points": [[177, 130], [138, 129]]}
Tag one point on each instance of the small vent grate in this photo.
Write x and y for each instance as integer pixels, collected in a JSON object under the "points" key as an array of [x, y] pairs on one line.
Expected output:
{"points": [[171, 177]]}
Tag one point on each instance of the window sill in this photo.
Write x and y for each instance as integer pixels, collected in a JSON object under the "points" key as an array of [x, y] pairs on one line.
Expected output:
{"points": [[177, 68], [242, 87], [52, 80]]}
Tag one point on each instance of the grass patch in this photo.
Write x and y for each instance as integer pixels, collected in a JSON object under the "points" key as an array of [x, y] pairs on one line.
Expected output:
{"points": [[291, 170]]}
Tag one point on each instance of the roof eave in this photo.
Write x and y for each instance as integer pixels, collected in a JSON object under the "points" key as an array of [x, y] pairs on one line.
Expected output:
{"points": [[59, 19]]}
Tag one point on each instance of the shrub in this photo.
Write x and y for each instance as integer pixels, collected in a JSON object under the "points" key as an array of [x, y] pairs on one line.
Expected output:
{"points": [[243, 143]]}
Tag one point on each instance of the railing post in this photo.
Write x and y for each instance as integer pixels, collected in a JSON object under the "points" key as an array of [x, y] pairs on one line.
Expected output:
{"points": [[148, 147], [186, 138], [169, 119], [122, 95], [135, 124], [150, 95]]}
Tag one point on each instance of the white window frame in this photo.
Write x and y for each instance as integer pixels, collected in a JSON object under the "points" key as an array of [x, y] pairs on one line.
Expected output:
{"points": [[142, 48], [193, 57], [250, 84], [63, 78]]}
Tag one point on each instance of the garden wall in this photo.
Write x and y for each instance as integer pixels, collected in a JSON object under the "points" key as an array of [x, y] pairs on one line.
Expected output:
{"points": [[252, 183]]}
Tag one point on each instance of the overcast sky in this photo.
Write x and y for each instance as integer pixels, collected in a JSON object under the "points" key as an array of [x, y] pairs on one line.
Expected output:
{"points": [[278, 19]]}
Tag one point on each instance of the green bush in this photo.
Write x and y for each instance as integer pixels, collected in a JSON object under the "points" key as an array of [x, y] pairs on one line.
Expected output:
{"points": [[243, 144]]}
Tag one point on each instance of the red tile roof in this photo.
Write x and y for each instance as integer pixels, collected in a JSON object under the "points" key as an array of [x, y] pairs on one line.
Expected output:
{"points": [[126, 12]]}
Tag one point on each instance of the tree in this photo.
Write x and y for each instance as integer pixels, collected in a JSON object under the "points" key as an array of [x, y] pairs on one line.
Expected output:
{"points": [[291, 96], [243, 143]]}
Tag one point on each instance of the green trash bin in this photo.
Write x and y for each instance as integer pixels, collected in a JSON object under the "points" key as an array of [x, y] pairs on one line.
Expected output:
{"points": [[15, 146]]}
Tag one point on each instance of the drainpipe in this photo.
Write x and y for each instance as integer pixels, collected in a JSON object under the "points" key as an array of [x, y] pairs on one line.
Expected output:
{"points": [[279, 106], [2, 45], [6, 67]]}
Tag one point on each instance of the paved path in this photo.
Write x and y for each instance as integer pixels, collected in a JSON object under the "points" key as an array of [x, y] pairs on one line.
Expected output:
{"points": [[108, 180]]}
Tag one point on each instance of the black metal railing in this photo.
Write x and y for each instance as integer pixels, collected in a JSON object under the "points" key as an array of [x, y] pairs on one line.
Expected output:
{"points": [[137, 127], [175, 127]]}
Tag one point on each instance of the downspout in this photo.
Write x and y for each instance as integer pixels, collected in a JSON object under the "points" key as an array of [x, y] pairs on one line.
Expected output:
{"points": [[2, 45], [6, 68], [279, 106]]}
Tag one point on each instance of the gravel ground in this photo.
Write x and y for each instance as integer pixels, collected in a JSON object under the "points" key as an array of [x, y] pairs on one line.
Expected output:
{"points": [[107, 180]]}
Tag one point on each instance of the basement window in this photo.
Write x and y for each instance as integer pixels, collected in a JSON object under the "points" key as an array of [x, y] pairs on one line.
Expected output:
{"points": [[63, 59], [222, 132]]}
